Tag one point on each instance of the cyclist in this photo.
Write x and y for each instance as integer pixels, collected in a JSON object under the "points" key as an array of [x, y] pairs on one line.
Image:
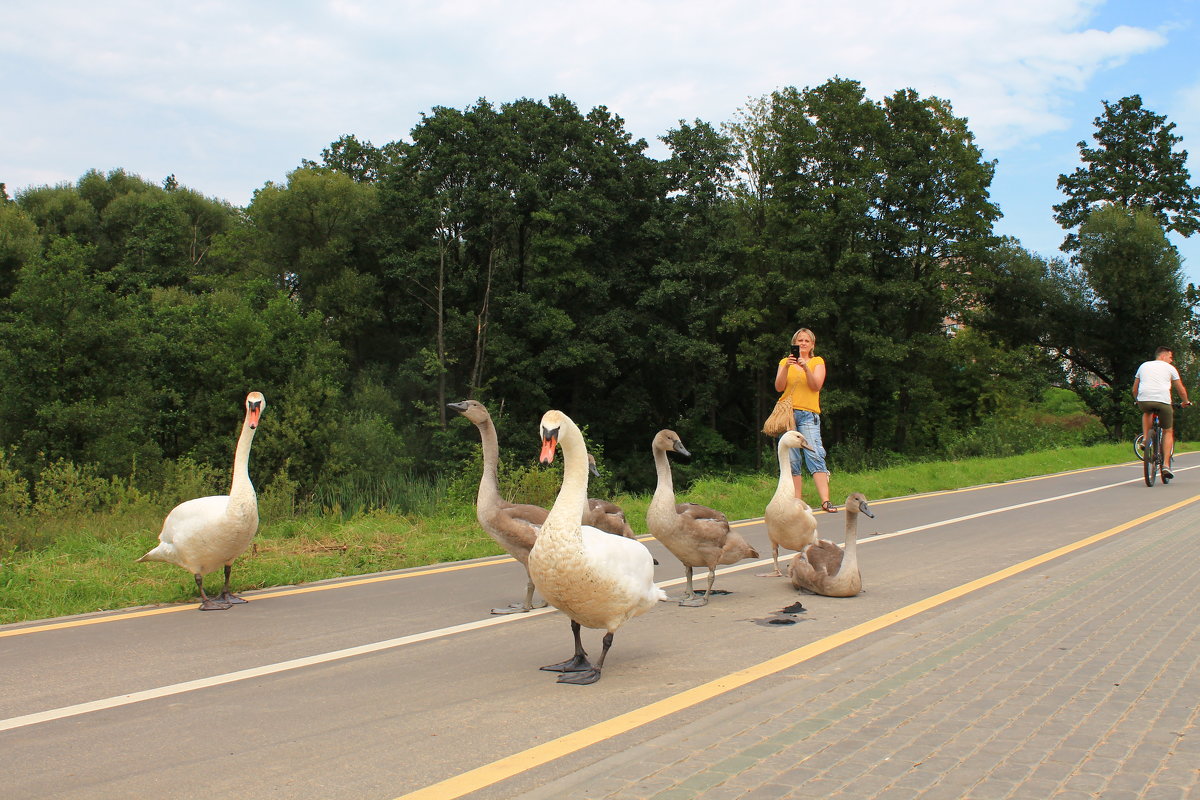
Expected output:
{"points": [[1152, 390]]}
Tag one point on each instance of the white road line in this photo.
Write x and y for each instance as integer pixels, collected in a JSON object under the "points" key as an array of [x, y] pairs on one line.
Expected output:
{"points": [[350, 652], [254, 672]]}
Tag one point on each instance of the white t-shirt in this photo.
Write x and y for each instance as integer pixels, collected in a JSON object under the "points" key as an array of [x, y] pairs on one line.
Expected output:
{"points": [[1155, 378]]}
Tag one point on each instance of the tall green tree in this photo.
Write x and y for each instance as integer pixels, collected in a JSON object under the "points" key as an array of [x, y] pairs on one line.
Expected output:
{"points": [[313, 236], [72, 358], [362, 161], [19, 242], [140, 235], [865, 222], [1136, 163], [1103, 312], [681, 361], [519, 235]]}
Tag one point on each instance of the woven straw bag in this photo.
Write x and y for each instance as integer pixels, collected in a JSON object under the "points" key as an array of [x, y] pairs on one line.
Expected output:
{"points": [[781, 418]]}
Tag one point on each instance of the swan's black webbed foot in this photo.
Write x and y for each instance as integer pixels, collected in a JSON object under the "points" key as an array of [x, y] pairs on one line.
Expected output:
{"points": [[230, 598], [576, 663], [214, 604], [580, 678], [695, 601], [513, 608]]}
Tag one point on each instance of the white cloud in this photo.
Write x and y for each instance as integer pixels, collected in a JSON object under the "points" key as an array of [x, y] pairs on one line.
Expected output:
{"points": [[243, 91]]}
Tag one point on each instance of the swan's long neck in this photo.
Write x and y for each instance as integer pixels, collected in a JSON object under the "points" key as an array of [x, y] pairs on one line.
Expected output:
{"points": [[566, 515], [850, 560], [243, 500], [664, 492], [786, 486], [241, 487], [489, 484]]}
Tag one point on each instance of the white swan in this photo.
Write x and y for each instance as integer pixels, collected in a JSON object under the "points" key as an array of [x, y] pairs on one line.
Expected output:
{"points": [[597, 579], [697, 535], [824, 568], [790, 521], [514, 526], [203, 534]]}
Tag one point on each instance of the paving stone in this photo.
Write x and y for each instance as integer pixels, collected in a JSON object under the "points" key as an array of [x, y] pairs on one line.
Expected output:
{"points": [[770, 791]]}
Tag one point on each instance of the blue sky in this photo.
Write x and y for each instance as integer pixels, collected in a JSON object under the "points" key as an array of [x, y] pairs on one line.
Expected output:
{"points": [[230, 95]]}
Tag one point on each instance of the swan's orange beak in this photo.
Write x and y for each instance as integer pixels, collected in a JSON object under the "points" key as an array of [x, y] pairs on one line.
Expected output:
{"points": [[253, 412], [549, 443]]}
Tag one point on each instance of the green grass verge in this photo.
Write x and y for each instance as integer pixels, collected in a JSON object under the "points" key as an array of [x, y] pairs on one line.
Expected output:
{"points": [[89, 564]]}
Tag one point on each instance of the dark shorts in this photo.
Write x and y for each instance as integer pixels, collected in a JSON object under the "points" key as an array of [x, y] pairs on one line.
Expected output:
{"points": [[1166, 412]]}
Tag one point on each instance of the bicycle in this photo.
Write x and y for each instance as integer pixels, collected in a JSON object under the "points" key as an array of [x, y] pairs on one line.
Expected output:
{"points": [[1151, 454]]}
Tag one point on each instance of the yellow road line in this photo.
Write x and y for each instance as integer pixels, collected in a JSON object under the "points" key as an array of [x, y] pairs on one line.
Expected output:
{"points": [[507, 767], [324, 587]]}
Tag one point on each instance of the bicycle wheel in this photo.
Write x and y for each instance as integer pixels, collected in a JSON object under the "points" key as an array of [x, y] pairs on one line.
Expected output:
{"points": [[1159, 456], [1137, 447], [1150, 459]]}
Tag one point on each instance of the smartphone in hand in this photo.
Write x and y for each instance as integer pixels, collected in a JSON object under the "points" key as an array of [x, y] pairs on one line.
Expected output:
{"points": [[795, 351]]}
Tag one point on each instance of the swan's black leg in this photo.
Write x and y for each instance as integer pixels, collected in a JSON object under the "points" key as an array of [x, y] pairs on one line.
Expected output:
{"points": [[577, 663], [775, 559], [592, 675], [227, 596], [690, 592], [695, 600], [208, 603], [521, 608]]}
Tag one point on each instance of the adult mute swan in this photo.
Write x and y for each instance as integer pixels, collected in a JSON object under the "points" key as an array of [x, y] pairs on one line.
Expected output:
{"points": [[597, 579], [790, 521], [823, 568], [514, 526], [697, 535], [203, 534]]}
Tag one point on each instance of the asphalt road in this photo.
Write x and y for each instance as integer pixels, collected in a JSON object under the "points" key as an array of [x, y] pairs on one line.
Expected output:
{"points": [[382, 685]]}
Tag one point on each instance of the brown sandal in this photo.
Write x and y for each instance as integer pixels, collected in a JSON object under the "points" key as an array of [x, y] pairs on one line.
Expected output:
{"points": [[828, 507]]}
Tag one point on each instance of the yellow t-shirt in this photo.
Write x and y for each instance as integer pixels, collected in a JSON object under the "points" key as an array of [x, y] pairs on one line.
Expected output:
{"points": [[803, 398]]}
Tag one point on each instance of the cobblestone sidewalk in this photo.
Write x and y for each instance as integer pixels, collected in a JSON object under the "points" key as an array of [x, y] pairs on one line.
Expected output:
{"points": [[1078, 679]]}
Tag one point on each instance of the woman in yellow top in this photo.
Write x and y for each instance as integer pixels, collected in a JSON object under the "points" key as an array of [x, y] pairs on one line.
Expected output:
{"points": [[804, 374]]}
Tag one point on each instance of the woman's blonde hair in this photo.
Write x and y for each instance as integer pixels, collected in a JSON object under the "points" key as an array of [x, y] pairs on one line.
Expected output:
{"points": [[810, 333]]}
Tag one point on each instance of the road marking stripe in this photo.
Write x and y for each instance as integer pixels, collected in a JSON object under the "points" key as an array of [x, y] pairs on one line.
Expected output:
{"points": [[246, 674], [268, 594], [507, 767], [943, 492]]}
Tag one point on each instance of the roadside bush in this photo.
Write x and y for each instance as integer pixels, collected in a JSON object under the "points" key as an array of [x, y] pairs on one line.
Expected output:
{"points": [[1026, 431], [65, 488], [405, 492], [528, 483], [14, 489], [186, 479], [278, 500], [852, 455]]}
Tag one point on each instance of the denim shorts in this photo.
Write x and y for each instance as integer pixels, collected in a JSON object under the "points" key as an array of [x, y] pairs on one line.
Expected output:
{"points": [[809, 425]]}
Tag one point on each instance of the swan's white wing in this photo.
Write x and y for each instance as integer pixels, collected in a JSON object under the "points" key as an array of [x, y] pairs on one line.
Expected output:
{"points": [[626, 561], [192, 517]]}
